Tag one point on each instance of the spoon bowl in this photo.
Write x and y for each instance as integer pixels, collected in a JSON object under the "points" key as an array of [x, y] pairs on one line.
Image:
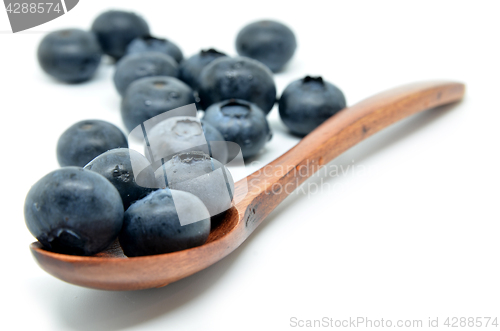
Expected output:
{"points": [[112, 270]]}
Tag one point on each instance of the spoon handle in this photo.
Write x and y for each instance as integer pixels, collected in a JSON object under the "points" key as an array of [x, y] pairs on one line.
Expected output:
{"points": [[268, 186]]}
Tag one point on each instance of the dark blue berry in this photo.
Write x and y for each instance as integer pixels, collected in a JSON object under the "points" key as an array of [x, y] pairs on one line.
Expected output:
{"points": [[152, 96], [135, 66], [115, 29], [153, 44], [241, 122], [74, 211], [190, 69], [199, 174], [152, 225], [182, 134], [269, 42], [85, 140], [308, 102], [237, 78], [70, 55], [129, 171]]}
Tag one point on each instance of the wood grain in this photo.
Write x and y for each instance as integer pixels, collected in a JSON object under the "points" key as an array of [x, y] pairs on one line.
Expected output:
{"points": [[110, 270]]}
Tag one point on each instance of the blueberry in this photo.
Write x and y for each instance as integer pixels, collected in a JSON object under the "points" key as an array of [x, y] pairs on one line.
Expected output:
{"points": [[152, 96], [182, 134], [70, 55], [115, 29], [74, 211], [85, 140], [190, 69], [241, 122], [118, 166], [135, 66], [308, 102], [237, 78], [269, 42], [201, 175], [152, 225], [153, 44]]}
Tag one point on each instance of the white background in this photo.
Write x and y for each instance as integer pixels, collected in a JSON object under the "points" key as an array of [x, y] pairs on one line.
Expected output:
{"points": [[414, 235]]}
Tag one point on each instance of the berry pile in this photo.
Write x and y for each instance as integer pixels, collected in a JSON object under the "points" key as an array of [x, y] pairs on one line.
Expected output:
{"points": [[169, 198]]}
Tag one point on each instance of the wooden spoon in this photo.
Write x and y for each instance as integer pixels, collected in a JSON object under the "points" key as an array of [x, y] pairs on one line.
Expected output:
{"points": [[111, 270]]}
